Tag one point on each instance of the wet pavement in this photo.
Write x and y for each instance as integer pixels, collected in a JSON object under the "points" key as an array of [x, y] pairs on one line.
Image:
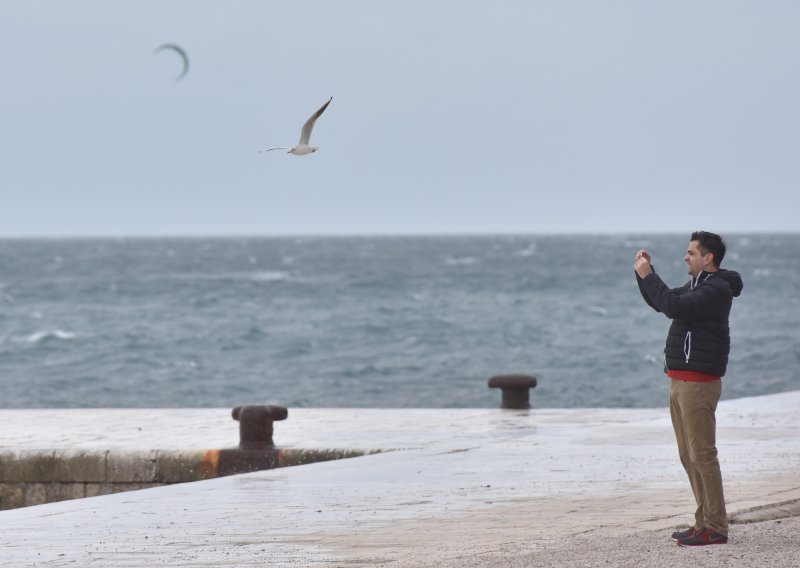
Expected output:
{"points": [[450, 487]]}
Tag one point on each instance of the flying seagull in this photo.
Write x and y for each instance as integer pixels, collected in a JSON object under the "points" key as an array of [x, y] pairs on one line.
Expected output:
{"points": [[302, 147], [179, 50]]}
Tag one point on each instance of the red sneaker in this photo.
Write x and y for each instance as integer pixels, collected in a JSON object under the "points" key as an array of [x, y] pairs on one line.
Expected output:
{"points": [[691, 531], [706, 536]]}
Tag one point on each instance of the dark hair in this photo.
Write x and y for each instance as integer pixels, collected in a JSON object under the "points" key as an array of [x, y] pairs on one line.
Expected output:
{"points": [[710, 243]]}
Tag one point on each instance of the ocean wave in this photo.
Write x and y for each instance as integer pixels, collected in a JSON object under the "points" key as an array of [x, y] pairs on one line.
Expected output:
{"points": [[5, 296], [460, 261], [271, 276], [531, 250], [259, 276], [641, 244], [40, 336], [599, 310]]}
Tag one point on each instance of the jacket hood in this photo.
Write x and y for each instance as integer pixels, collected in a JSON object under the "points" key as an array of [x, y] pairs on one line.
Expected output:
{"points": [[733, 279]]}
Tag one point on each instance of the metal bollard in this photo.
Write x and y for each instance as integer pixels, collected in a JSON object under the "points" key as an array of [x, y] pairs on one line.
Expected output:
{"points": [[255, 425], [515, 388]]}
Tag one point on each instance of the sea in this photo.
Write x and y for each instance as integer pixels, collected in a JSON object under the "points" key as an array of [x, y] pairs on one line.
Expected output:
{"points": [[378, 322]]}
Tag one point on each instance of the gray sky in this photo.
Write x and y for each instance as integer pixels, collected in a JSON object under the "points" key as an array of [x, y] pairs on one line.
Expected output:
{"points": [[447, 117]]}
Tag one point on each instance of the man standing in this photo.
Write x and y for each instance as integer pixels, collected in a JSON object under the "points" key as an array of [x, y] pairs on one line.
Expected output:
{"points": [[695, 358]]}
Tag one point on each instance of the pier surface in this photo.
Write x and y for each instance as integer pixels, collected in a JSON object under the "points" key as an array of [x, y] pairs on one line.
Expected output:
{"points": [[489, 487]]}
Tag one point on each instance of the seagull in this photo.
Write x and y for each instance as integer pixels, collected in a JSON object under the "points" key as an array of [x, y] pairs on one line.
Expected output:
{"points": [[302, 147], [179, 50]]}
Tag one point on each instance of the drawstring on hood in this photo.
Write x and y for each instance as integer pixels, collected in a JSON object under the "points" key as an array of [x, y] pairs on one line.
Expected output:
{"points": [[696, 280], [687, 342], [687, 345]]}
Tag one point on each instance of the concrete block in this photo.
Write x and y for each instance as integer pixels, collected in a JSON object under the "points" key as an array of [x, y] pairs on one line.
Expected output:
{"points": [[39, 467], [131, 467], [12, 496], [64, 491], [11, 467], [80, 466], [174, 466], [35, 493], [27, 466], [95, 489]]}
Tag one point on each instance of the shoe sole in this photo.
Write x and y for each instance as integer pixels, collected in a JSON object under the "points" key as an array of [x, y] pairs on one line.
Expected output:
{"points": [[703, 544]]}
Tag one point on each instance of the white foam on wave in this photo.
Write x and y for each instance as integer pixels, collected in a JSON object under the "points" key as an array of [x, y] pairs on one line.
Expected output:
{"points": [[460, 261], [599, 310], [40, 336], [271, 276], [258, 276], [531, 250]]}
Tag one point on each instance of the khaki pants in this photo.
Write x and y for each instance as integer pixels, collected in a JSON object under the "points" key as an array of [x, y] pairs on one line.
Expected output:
{"points": [[692, 406]]}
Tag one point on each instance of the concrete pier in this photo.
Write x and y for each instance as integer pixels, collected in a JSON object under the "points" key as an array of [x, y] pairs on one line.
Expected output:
{"points": [[540, 487]]}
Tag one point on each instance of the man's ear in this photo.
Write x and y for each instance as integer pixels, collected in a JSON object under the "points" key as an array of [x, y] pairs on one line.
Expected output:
{"points": [[708, 260]]}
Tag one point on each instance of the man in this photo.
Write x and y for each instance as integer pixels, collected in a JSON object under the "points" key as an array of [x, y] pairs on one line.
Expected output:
{"points": [[695, 358]]}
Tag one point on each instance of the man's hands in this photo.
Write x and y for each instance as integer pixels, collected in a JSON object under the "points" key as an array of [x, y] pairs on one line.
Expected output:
{"points": [[642, 264]]}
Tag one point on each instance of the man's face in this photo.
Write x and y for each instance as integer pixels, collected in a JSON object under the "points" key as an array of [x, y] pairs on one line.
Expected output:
{"points": [[695, 259]]}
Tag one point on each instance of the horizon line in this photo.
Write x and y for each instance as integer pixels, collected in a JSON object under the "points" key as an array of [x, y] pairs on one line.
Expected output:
{"points": [[379, 235]]}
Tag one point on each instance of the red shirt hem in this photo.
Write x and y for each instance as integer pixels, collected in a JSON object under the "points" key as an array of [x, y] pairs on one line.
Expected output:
{"points": [[692, 376]]}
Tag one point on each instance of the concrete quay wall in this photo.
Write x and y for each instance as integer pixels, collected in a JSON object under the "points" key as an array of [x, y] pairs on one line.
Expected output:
{"points": [[35, 477]]}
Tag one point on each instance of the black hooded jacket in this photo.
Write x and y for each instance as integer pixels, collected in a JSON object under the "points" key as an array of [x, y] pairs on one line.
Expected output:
{"points": [[699, 337]]}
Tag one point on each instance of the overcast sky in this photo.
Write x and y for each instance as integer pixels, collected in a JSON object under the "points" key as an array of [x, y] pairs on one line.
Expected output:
{"points": [[447, 117]]}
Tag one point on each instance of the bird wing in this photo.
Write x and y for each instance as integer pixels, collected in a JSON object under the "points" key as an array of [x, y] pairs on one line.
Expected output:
{"points": [[305, 134], [276, 148], [179, 50]]}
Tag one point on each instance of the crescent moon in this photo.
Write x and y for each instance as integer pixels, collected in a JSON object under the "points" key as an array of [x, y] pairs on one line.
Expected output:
{"points": [[179, 50]]}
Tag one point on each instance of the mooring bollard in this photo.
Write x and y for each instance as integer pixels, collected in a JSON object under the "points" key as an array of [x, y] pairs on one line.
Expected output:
{"points": [[255, 425], [515, 389]]}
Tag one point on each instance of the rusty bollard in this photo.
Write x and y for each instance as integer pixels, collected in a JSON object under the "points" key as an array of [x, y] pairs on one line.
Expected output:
{"points": [[255, 425], [515, 389], [256, 449]]}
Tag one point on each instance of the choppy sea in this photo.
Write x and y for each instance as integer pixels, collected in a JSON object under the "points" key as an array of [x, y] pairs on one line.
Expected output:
{"points": [[369, 321]]}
